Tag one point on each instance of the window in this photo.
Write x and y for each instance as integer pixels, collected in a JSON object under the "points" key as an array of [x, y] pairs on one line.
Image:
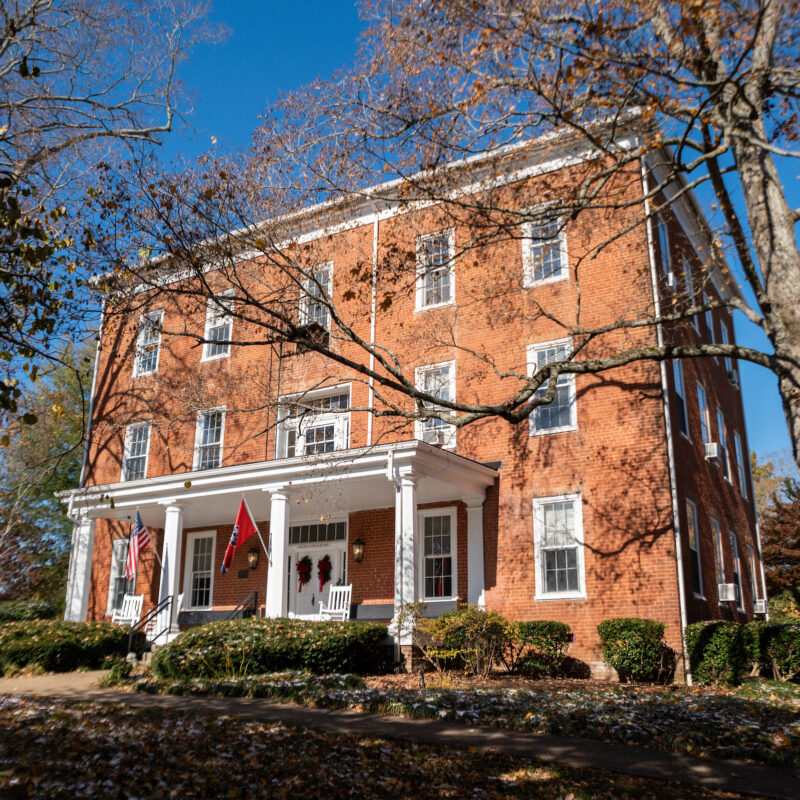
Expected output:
{"points": [[219, 326], [725, 339], [148, 343], [663, 244], [119, 585], [560, 414], [694, 548], [316, 290], [723, 445], [719, 564], [680, 390], [208, 439], [315, 423], [705, 422], [709, 315], [544, 251], [199, 569], [439, 554], [435, 254], [688, 282], [317, 533], [137, 443], [751, 563], [558, 546], [740, 464], [437, 380], [737, 572]]}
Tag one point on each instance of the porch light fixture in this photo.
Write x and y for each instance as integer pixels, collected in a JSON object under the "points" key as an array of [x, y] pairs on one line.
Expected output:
{"points": [[252, 557], [358, 550]]}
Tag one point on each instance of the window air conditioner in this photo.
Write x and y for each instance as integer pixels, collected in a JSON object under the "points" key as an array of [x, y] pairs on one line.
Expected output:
{"points": [[712, 451], [726, 592], [671, 281], [733, 377], [759, 606]]}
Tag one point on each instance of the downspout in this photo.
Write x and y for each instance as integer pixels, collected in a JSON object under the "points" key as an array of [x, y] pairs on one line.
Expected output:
{"points": [[668, 428], [373, 307], [91, 400]]}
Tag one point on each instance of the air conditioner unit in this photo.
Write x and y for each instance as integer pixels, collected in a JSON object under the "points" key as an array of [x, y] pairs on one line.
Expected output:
{"points": [[759, 606], [733, 377], [726, 592], [712, 451], [671, 281]]}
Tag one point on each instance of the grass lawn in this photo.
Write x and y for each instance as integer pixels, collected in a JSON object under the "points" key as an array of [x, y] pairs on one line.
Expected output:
{"points": [[63, 749]]}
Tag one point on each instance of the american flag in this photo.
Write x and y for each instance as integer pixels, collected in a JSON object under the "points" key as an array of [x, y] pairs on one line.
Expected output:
{"points": [[140, 538]]}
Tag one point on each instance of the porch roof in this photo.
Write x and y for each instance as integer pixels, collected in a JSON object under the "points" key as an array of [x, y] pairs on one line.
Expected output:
{"points": [[325, 484]]}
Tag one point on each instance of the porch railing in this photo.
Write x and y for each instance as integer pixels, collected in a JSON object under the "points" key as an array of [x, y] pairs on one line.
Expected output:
{"points": [[247, 608], [151, 627]]}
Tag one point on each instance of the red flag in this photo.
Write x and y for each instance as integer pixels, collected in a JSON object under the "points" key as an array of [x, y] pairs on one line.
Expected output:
{"points": [[140, 538], [243, 529]]}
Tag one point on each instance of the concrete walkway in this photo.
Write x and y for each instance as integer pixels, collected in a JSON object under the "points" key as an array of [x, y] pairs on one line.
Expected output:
{"points": [[728, 775]]}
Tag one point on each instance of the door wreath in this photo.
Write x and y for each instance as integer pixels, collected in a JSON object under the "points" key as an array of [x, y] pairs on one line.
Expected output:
{"points": [[304, 566], [324, 568]]}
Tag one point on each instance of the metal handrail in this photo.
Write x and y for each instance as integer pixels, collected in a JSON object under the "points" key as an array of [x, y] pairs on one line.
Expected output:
{"points": [[140, 626], [250, 602]]}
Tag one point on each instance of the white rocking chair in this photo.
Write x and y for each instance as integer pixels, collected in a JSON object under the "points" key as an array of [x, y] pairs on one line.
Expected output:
{"points": [[338, 607], [131, 610]]}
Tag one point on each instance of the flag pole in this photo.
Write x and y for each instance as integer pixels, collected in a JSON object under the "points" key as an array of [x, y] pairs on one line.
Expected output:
{"points": [[258, 532], [155, 549]]}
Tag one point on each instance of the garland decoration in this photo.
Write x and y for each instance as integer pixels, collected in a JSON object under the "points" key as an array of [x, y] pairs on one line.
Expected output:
{"points": [[304, 566], [324, 567]]}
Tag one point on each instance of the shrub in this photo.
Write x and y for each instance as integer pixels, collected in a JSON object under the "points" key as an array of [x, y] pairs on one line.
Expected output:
{"points": [[721, 652], [56, 646], [536, 648], [779, 647], [21, 610], [255, 646], [635, 648]]}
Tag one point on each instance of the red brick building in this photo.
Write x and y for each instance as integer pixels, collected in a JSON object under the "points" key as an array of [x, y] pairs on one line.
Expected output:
{"points": [[629, 495]]}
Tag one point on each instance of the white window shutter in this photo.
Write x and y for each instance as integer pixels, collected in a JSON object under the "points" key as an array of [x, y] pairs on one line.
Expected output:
{"points": [[342, 431]]}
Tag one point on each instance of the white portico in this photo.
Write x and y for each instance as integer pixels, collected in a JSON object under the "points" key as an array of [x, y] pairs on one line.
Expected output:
{"points": [[307, 502]]}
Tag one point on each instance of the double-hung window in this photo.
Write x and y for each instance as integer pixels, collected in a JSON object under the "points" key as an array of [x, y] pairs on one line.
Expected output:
{"points": [[725, 338], [751, 563], [137, 444], [148, 344], [560, 414], [723, 445], [119, 585], [199, 569], [437, 380], [439, 554], [693, 535], [680, 390], [741, 467], [209, 438], [315, 296], [705, 423], [737, 571], [719, 564], [219, 326], [709, 315], [689, 286], [663, 245], [435, 275], [544, 251], [558, 547], [314, 423]]}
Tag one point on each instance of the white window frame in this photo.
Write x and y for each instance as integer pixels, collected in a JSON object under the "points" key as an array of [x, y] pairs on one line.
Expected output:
{"points": [[688, 280], [751, 558], [538, 532], [449, 511], [566, 379], [446, 432], [214, 315], [308, 299], [737, 570], [126, 450], [118, 563], [151, 321], [709, 317], [725, 461], [422, 269], [664, 244], [528, 259], [309, 419], [705, 417], [187, 569], [692, 520], [741, 468], [198, 435], [680, 391], [725, 338], [719, 559]]}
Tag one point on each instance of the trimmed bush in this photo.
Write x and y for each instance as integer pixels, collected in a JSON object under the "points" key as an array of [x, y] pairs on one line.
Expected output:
{"points": [[21, 610], [256, 646], [56, 646], [635, 648], [779, 646], [721, 652], [536, 648]]}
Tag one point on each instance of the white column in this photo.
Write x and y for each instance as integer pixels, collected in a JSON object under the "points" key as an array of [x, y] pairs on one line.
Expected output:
{"points": [[405, 557], [80, 570], [279, 544], [475, 578], [171, 560]]}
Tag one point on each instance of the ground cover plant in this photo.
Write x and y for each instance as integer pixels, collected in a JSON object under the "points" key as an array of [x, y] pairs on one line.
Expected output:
{"points": [[763, 727], [19, 610], [258, 645], [58, 646], [63, 750]]}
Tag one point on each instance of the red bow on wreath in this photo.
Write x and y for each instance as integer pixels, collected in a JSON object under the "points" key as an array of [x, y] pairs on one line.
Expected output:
{"points": [[324, 566], [303, 572]]}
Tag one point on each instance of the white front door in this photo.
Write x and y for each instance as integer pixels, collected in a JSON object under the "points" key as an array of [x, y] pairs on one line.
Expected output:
{"points": [[304, 600]]}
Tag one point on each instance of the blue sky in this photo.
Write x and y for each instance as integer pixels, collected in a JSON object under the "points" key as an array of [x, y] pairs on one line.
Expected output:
{"points": [[276, 46]]}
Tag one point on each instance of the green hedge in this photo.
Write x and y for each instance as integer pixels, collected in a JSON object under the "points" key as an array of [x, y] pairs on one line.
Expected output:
{"points": [[721, 652], [56, 646], [779, 646], [255, 646], [536, 648], [20, 610], [635, 648]]}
